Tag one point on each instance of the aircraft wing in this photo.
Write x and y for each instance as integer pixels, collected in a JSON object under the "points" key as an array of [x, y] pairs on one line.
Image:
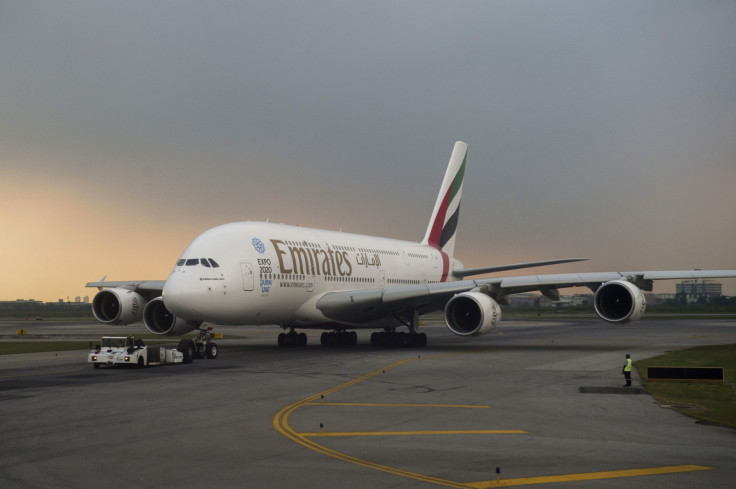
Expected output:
{"points": [[147, 288], [372, 304], [642, 279]]}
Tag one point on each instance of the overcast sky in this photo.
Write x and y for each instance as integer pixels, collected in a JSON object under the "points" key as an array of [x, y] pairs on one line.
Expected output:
{"points": [[601, 129]]}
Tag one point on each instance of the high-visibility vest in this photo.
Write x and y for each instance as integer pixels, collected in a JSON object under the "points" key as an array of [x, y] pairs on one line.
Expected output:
{"points": [[627, 367]]}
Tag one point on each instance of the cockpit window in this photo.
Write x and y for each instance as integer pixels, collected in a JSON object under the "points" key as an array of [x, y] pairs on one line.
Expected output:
{"points": [[190, 262]]}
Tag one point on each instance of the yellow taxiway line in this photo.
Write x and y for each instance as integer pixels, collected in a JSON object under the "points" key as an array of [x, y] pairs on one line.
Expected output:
{"points": [[370, 404], [611, 474], [414, 433], [281, 424]]}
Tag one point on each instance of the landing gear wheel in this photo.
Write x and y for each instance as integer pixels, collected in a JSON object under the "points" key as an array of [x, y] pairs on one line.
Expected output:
{"points": [[186, 347], [292, 339], [401, 340], [202, 341], [339, 338], [211, 351]]}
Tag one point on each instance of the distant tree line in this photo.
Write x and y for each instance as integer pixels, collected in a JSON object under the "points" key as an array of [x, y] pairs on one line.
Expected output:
{"points": [[41, 310], [682, 300], [50, 310]]}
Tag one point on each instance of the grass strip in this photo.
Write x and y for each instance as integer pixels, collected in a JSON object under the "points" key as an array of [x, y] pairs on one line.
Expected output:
{"points": [[708, 402]]}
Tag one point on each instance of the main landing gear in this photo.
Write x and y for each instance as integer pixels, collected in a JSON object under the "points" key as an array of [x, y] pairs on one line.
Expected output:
{"points": [[339, 338], [292, 339], [333, 338], [401, 339], [389, 337]]}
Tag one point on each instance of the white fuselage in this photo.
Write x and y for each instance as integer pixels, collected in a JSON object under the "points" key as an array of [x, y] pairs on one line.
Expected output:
{"points": [[263, 273]]}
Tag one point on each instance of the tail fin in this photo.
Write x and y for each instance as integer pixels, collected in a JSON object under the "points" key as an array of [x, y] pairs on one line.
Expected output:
{"points": [[443, 225]]}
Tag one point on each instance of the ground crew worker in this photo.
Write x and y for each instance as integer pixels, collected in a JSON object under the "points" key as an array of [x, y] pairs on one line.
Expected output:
{"points": [[627, 370]]}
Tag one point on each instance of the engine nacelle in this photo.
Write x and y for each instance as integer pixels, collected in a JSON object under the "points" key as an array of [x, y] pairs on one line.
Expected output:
{"points": [[118, 306], [472, 314], [159, 320], [619, 302]]}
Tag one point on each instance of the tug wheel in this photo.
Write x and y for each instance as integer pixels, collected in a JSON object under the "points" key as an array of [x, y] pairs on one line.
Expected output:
{"points": [[211, 351], [186, 347]]}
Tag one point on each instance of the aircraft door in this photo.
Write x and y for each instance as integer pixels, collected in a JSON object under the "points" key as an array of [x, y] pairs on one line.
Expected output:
{"points": [[247, 273]]}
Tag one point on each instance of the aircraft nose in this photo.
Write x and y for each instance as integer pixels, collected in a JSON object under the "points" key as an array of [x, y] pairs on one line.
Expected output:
{"points": [[179, 296]]}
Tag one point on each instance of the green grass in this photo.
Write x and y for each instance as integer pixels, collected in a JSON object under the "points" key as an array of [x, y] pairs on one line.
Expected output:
{"points": [[710, 402]]}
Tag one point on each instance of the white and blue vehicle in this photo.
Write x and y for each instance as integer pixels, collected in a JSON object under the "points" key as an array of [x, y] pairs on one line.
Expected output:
{"points": [[127, 350]]}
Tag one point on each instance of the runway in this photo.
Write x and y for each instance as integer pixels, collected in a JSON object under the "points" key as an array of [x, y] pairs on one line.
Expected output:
{"points": [[443, 416]]}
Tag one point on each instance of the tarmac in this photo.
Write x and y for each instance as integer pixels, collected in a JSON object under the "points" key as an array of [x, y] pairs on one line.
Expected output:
{"points": [[541, 402]]}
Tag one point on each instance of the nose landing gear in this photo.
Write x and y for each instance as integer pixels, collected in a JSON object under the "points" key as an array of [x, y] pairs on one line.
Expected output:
{"points": [[204, 347]]}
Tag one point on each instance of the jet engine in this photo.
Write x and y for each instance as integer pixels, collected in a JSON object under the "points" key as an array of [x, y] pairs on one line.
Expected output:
{"points": [[118, 306], [619, 302], [472, 314], [159, 320]]}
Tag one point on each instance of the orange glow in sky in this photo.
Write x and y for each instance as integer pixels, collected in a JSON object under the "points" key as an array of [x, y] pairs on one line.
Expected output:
{"points": [[57, 238]]}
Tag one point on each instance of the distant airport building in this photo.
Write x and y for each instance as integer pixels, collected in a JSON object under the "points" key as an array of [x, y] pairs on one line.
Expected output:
{"points": [[699, 288]]}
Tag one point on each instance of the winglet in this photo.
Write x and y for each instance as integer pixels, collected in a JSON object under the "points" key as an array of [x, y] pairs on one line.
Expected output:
{"points": [[443, 224]]}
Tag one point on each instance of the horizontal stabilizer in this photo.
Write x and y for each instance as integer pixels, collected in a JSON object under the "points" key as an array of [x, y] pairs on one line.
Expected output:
{"points": [[466, 272]]}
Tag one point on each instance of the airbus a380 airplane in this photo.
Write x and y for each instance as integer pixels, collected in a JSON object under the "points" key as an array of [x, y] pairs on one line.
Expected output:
{"points": [[247, 273]]}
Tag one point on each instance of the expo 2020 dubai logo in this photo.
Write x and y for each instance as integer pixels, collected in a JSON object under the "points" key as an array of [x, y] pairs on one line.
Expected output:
{"points": [[259, 246]]}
